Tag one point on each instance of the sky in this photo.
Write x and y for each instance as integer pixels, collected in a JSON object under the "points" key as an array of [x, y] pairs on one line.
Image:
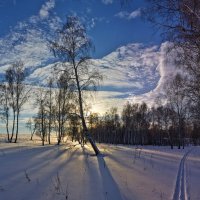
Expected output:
{"points": [[129, 52], [109, 24]]}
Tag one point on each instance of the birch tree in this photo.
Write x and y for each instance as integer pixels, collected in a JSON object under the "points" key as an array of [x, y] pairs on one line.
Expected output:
{"points": [[73, 48], [16, 95]]}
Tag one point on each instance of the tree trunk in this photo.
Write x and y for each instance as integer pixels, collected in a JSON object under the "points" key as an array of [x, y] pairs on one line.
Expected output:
{"points": [[13, 127], [43, 132], [50, 115], [179, 135], [32, 135], [85, 129], [17, 126], [49, 135], [59, 122], [7, 123]]}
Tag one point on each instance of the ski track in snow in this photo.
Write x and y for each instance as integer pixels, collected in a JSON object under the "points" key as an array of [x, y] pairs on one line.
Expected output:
{"points": [[180, 192]]}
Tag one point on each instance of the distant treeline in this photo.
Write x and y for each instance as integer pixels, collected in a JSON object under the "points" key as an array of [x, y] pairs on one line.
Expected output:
{"points": [[140, 125]]}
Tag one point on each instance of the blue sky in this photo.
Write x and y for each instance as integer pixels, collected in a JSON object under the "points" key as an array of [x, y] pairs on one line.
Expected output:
{"points": [[109, 24]]}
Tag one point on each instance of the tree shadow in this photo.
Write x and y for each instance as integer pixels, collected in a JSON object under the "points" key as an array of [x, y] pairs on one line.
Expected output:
{"points": [[111, 189], [40, 164]]}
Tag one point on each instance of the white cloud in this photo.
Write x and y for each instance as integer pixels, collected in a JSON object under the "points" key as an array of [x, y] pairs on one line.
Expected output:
{"points": [[122, 14], [46, 8], [93, 23], [129, 15], [107, 2], [27, 41], [167, 70], [134, 14], [31, 49]]}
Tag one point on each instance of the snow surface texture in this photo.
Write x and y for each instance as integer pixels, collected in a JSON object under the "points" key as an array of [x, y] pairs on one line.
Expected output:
{"points": [[30, 171]]}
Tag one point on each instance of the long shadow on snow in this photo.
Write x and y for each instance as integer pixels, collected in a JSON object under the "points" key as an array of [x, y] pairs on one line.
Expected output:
{"points": [[34, 167], [111, 188]]}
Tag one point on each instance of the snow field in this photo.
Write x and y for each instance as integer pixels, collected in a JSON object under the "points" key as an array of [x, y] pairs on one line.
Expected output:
{"points": [[31, 171]]}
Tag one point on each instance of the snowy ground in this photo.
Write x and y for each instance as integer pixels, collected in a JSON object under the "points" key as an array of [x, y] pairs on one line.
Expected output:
{"points": [[29, 171]]}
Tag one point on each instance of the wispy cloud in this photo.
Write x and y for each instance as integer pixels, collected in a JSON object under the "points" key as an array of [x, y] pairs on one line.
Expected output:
{"points": [[93, 23], [167, 70], [27, 41], [107, 2], [46, 8], [134, 14], [133, 68], [90, 22], [129, 15]]}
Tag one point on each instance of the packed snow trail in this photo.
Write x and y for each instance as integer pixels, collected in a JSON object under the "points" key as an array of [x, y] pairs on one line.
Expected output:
{"points": [[180, 192]]}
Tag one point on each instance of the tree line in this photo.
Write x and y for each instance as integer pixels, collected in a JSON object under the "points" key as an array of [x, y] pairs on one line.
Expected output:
{"points": [[170, 121], [173, 122]]}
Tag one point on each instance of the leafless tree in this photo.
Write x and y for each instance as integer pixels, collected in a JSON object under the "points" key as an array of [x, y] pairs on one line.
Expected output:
{"points": [[63, 101], [178, 19], [49, 105], [41, 119], [74, 126], [31, 126], [179, 23], [16, 95], [4, 107], [73, 47], [179, 103]]}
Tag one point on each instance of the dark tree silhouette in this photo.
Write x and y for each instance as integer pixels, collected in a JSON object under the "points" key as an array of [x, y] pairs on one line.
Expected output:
{"points": [[73, 47], [16, 95]]}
